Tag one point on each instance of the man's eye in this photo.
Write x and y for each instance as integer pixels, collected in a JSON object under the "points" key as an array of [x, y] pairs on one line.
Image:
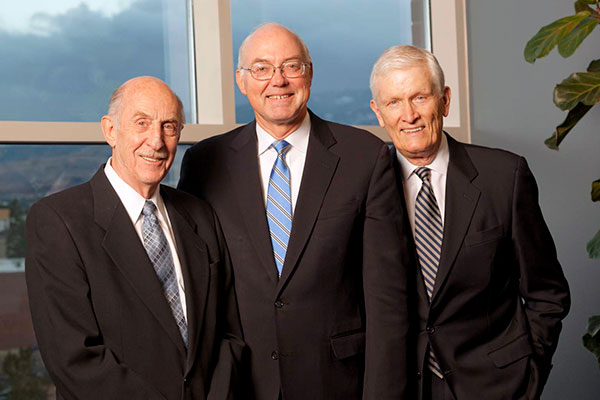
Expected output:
{"points": [[169, 127], [260, 68], [420, 99], [292, 66], [142, 123]]}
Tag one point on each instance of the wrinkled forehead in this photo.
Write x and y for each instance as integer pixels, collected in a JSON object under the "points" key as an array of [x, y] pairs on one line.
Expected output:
{"points": [[275, 45]]}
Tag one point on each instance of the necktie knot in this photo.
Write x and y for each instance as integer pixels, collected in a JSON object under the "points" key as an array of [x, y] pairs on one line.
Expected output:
{"points": [[281, 147], [424, 173], [149, 208]]}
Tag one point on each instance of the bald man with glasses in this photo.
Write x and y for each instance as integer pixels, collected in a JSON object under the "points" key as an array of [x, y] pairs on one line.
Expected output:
{"points": [[312, 220]]}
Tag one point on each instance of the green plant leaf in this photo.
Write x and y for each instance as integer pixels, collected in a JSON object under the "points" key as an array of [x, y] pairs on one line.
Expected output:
{"points": [[593, 325], [571, 41], [591, 339], [594, 66], [548, 36], [593, 246], [582, 5], [596, 190], [581, 87], [569, 123]]}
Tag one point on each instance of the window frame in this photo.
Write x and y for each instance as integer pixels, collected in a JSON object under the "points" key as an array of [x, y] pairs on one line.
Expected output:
{"points": [[214, 79]]}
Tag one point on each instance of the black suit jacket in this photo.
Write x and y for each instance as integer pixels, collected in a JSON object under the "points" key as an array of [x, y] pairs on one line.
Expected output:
{"points": [[104, 327], [500, 293], [335, 323]]}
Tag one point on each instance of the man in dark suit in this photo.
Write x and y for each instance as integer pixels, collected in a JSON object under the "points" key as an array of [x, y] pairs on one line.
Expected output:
{"points": [[129, 282], [312, 220], [491, 293]]}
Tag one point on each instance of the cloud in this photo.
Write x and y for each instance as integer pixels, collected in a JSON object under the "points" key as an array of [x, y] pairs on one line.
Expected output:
{"points": [[68, 68]]}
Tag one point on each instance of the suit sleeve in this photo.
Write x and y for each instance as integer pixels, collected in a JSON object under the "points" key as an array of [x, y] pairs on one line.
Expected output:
{"points": [[386, 265], [189, 173], [70, 340], [225, 383], [543, 287]]}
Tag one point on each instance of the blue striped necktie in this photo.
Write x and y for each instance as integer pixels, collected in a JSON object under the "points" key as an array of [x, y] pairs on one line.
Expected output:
{"points": [[159, 253], [429, 233], [279, 205]]}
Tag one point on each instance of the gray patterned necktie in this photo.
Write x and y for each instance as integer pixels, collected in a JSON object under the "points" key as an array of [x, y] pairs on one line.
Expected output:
{"points": [[429, 233], [158, 250]]}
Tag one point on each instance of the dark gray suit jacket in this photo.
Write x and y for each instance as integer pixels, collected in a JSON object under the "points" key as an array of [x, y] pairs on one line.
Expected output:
{"points": [[104, 327], [335, 324], [500, 293]]}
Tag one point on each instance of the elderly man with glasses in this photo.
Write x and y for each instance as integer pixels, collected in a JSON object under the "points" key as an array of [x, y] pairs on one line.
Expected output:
{"points": [[312, 220]]}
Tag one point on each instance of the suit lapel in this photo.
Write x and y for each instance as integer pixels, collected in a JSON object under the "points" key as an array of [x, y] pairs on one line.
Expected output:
{"points": [[461, 199], [124, 247], [244, 172], [194, 266], [319, 168]]}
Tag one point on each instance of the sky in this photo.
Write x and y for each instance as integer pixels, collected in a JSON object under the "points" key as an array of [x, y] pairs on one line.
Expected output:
{"points": [[20, 16]]}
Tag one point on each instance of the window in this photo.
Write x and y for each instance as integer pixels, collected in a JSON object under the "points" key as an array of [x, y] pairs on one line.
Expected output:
{"points": [[62, 59]]}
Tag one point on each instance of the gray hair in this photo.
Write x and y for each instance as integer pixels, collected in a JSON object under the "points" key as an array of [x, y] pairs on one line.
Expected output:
{"points": [[116, 100], [404, 57], [242, 50]]}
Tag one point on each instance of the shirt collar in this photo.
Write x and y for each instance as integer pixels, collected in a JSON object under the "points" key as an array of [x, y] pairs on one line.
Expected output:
{"points": [[132, 200], [298, 139], [439, 163]]}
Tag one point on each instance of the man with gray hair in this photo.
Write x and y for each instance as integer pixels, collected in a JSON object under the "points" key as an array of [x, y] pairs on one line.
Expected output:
{"points": [[313, 222], [491, 293], [130, 282]]}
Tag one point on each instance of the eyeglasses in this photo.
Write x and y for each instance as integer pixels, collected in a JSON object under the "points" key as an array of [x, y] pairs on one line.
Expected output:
{"points": [[263, 71]]}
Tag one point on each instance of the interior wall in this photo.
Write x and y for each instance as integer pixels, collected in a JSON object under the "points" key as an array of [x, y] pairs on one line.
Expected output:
{"points": [[512, 108]]}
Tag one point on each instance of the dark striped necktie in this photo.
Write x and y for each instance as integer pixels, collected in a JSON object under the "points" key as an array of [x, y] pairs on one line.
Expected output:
{"points": [[429, 233]]}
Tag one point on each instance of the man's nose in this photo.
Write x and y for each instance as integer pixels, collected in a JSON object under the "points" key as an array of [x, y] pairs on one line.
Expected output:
{"points": [[278, 79]]}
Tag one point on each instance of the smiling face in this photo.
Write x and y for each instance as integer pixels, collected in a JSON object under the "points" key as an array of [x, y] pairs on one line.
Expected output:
{"points": [[411, 110], [279, 103], [145, 142]]}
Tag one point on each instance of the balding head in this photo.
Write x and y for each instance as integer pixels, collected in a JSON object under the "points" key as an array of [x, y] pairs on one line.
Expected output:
{"points": [[133, 85], [266, 30]]}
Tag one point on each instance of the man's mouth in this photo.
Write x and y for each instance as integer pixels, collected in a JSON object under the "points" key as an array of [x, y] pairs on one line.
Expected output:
{"points": [[413, 130], [279, 96], [154, 157]]}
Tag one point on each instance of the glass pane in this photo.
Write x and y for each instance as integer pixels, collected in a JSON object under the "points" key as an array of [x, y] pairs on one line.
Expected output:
{"points": [[28, 173], [344, 39], [62, 59]]}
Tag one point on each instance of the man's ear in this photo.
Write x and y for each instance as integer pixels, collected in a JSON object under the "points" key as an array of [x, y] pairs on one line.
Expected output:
{"points": [[109, 130], [446, 100], [377, 113], [239, 79]]}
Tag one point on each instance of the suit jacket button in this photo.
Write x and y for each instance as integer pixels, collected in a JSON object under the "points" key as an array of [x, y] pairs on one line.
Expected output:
{"points": [[275, 355], [185, 382], [430, 330], [418, 374], [279, 304]]}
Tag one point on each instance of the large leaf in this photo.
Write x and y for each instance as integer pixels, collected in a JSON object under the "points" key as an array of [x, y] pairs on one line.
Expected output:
{"points": [[548, 36], [596, 190], [571, 41], [563, 129], [591, 339], [581, 87], [593, 246]]}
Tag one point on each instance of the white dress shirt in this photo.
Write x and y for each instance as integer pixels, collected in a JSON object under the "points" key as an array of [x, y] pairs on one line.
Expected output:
{"points": [[412, 183], [134, 204], [294, 157]]}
